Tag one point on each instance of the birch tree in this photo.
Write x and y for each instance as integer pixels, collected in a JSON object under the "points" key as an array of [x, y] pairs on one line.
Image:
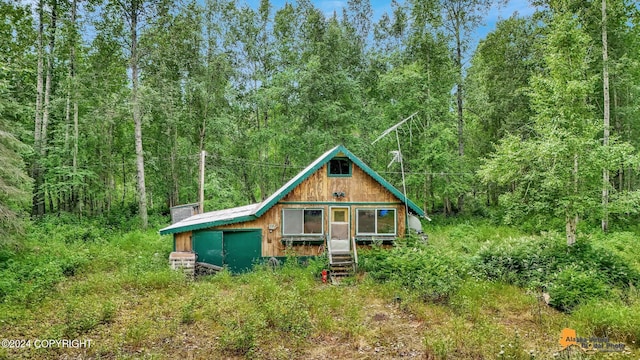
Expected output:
{"points": [[135, 13]]}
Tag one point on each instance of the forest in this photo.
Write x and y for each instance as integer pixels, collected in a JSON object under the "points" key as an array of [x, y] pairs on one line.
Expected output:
{"points": [[537, 126], [522, 146]]}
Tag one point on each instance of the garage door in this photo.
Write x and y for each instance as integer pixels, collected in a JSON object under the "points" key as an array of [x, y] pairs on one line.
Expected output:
{"points": [[208, 245], [242, 248]]}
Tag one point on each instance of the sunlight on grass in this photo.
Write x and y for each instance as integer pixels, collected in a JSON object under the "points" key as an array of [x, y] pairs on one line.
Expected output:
{"points": [[122, 295]]}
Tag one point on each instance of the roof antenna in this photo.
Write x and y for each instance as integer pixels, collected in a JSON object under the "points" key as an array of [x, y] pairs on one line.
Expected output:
{"points": [[397, 157]]}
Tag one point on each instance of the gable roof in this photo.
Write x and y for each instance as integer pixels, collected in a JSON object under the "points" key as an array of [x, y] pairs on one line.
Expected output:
{"points": [[254, 211]]}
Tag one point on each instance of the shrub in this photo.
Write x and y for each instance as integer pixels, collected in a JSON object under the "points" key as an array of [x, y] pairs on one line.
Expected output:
{"points": [[433, 275], [239, 338], [572, 274], [526, 256], [573, 286]]}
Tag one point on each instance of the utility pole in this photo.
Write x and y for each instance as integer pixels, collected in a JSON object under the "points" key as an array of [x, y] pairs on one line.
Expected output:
{"points": [[202, 156]]}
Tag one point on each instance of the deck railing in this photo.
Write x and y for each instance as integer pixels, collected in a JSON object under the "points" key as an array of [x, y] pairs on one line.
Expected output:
{"points": [[329, 250], [355, 251]]}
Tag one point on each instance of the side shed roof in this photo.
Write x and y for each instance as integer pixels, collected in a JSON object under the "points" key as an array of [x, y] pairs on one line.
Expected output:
{"points": [[254, 211]]}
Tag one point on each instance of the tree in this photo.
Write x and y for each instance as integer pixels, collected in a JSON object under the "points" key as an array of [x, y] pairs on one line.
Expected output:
{"points": [[497, 99], [606, 115], [43, 98], [134, 12], [16, 90], [554, 172]]}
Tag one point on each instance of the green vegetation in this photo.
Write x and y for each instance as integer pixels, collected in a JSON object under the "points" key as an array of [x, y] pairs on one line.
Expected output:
{"points": [[536, 132], [473, 290]]}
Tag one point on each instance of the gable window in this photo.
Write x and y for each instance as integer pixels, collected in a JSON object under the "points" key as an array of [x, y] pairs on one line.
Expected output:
{"points": [[376, 221], [340, 167], [302, 222]]}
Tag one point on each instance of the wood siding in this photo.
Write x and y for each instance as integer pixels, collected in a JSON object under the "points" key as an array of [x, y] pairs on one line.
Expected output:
{"points": [[183, 241], [359, 188]]}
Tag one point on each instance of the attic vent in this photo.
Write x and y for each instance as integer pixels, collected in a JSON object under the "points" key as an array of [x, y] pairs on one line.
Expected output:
{"points": [[340, 167]]}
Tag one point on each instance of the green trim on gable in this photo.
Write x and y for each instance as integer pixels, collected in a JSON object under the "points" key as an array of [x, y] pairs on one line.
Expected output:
{"points": [[339, 203], [384, 183], [340, 152], [283, 192], [324, 160], [209, 224]]}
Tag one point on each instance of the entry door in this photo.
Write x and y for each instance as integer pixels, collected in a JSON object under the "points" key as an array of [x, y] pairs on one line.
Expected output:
{"points": [[208, 245], [339, 229]]}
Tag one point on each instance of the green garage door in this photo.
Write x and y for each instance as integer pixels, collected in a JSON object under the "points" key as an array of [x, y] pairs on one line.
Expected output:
{"points": [[209, 247], [241, 249]]}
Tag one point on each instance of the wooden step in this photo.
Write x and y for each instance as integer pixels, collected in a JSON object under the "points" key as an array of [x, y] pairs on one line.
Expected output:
{"points": [[338, 263], [338, 253]]}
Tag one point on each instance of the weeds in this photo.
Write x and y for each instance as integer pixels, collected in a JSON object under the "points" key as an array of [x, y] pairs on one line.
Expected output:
{"points": [[459, 296]]}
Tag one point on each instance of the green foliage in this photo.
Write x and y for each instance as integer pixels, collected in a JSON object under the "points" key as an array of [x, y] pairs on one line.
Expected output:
{"points": [[430, 273], [614, 319], [571, 275], [573, 286], [15, 185], [186, 314], [60, 251]]}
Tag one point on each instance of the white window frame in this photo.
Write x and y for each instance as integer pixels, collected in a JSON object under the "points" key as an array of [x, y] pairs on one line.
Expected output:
{"points": [[375, 222], [302, 209]]}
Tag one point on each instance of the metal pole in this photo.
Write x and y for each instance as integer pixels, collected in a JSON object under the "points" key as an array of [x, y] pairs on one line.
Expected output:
{"points": [[404, 187], [202, 155]]}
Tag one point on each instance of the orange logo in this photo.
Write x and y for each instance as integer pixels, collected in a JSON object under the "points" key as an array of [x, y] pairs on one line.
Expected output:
{"points": [[568, 338]]}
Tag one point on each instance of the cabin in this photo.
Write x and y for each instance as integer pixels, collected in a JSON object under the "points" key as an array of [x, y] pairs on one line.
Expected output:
{"points": [[337, 205]]}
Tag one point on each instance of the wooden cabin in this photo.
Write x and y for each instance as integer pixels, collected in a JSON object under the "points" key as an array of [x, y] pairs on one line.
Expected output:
{"points": [[336, 204]]}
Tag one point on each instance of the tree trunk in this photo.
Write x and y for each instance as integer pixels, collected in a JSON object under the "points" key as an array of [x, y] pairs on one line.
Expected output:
{"points": [[572, 216], [571, 225], [47, 86], [605, 86], [137, 114], [124, 180], [36, 171], [459, 94], [619, 130], [74, 98]]}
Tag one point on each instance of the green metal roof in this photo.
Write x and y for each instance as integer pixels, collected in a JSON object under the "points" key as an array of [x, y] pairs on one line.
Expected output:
{"points": [[254, 211]]}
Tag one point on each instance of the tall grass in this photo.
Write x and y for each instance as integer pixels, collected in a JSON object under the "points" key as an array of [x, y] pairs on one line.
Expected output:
{"points": [[455, 296]]}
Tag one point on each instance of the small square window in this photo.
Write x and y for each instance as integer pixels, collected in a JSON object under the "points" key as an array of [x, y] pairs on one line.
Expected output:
{"points": [[339, 167]]}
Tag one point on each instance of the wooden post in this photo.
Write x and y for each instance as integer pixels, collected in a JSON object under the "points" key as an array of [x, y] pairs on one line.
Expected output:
{"points": [[202, 155], [404, 188]]}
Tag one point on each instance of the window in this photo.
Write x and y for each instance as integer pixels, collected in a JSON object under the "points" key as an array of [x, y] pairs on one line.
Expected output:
{"points": [[302, 222], [339, 167], [376, 221]]}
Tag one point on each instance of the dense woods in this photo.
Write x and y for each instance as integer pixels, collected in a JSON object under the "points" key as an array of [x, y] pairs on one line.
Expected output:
{"points": [[105, 106], [519, 142]]}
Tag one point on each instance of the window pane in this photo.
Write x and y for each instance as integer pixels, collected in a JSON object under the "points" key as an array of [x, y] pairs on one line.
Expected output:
{"points": [[366, 221], [313, 221], [339, 167], [344, 167], [339, 215], [292, 219], [386, 221]]}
